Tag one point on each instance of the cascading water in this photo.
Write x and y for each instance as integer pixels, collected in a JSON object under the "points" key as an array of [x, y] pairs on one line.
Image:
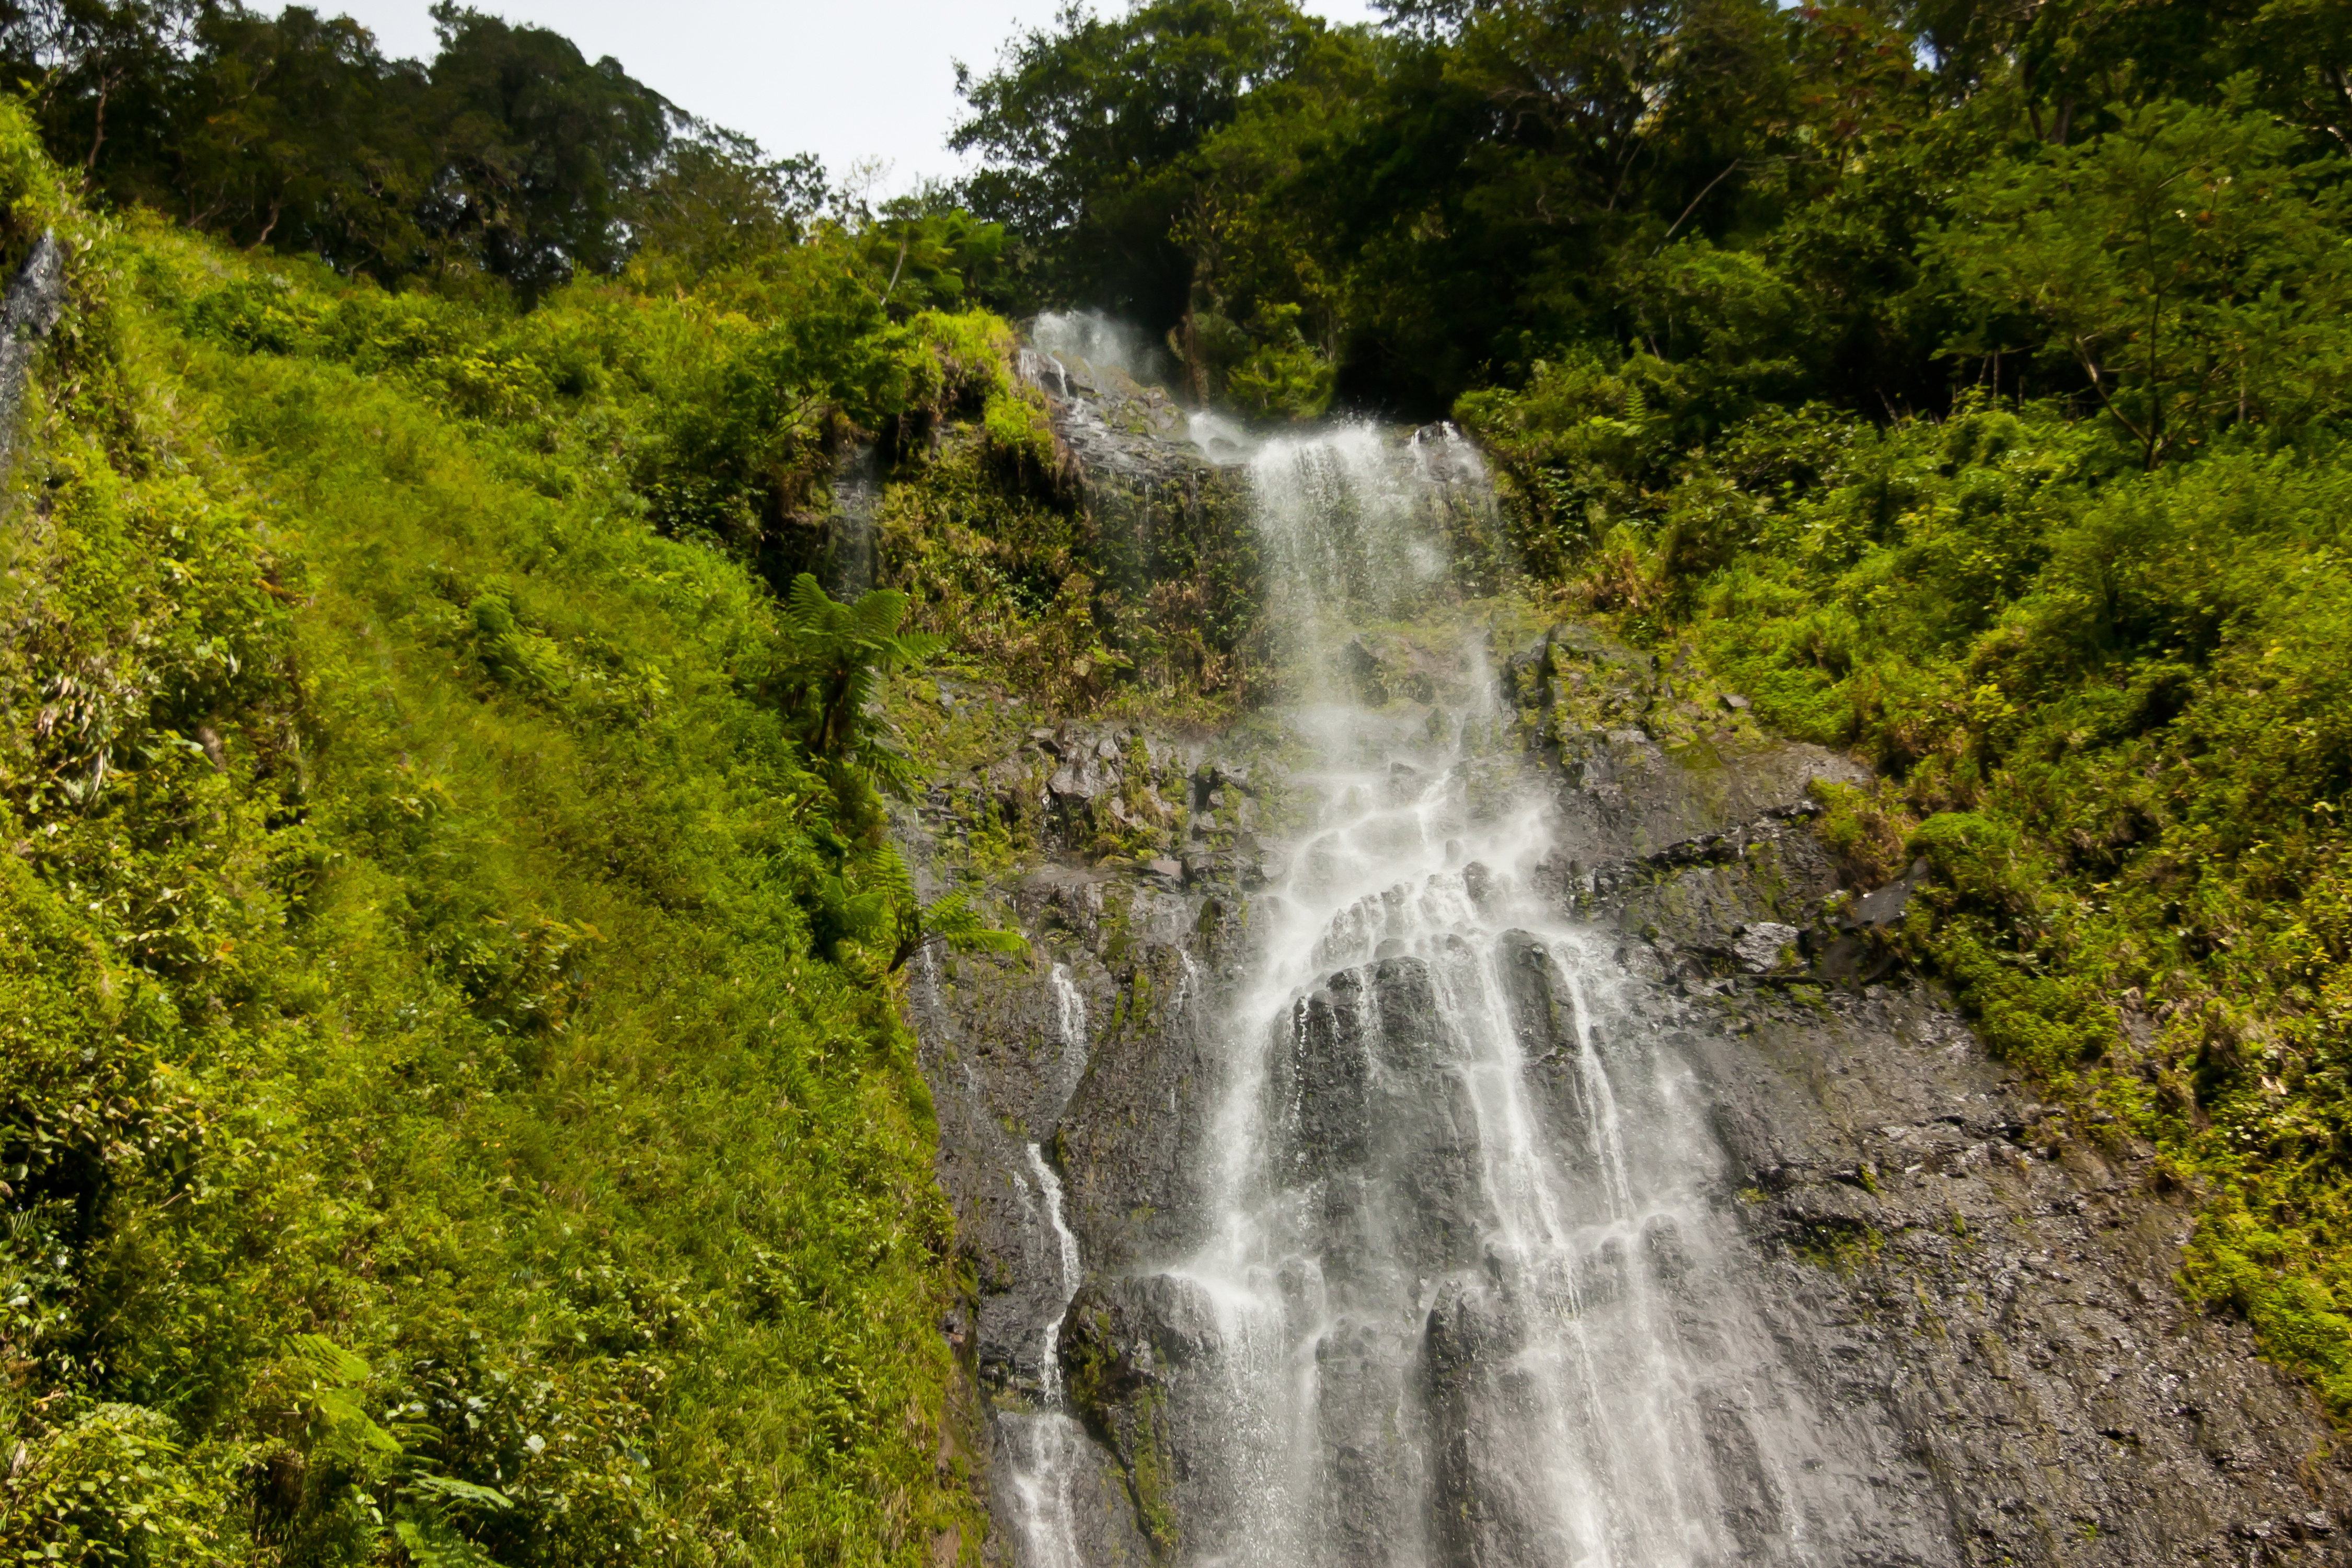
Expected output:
{"points": [[1048, 1445], [1468, 1295], [1092, 342], [850, 534], [1070, 1019], [1423, 1222]]}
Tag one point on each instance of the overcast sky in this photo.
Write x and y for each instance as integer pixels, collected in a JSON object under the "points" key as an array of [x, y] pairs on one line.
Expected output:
{"points": [[846, 80]]}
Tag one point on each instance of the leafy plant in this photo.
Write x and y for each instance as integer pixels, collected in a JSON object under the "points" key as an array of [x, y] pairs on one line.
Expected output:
{"points": [[420, 925], [2184, 263], [834, 657]]}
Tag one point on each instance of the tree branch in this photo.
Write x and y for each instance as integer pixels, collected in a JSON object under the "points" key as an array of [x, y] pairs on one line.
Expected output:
{"points": [[1695, 200], [2099, 384]]}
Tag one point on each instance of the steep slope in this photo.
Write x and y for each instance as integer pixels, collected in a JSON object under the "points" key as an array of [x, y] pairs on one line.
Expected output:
{"points": [[429, 1124]]}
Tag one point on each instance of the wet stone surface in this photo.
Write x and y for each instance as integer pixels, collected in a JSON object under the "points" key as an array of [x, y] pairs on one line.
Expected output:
{"points": [[1984, 1291], [1586, 1183]]}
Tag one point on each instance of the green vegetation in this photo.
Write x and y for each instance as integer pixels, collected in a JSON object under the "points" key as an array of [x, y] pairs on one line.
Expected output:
{"points": [[2094, 644], [453, 1100], [1737, 186]]}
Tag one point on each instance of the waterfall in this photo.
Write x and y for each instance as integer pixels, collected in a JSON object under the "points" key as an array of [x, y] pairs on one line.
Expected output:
{"points": [[1048, 1445], [1070, 1019], [1089, 343], [1470, 1292], [850, 532]]}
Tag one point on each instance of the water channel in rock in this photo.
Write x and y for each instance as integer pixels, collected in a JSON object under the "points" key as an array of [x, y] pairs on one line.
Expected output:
{"points": [[1047, 1444], [1465, 1296]]}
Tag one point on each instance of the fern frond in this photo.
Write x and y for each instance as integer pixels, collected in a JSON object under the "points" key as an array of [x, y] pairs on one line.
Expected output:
{"points": [[466, 1492], [956, 923], [436, 1544], [877, 615], [806, 604], [326, 1362]]}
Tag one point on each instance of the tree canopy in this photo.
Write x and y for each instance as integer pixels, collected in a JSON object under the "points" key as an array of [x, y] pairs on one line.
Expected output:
{"points": [[508, 155], [1409, 211]]}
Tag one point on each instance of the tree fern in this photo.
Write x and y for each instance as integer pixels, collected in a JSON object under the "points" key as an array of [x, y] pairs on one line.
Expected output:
{"points": [[836, 656]]}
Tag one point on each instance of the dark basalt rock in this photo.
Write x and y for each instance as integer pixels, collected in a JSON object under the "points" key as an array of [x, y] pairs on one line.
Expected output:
{"points": [[2002, 1288], [29, 310], [1359, 1091], [1982, 1294], [1989, 1290], [1543, 1006]]}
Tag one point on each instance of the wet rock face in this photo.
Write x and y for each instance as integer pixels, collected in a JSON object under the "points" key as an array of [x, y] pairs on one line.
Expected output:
{"points": [[1364, 1101], [1935, 1248], [1844, 1294], [1983, 1297], [2006, 1296], [29, 310], [1168, 536]]}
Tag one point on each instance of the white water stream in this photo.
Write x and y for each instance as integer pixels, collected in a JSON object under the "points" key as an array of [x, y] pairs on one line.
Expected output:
{"points": [[1470, 1300], [1467, 1294], [1048, 1445]]}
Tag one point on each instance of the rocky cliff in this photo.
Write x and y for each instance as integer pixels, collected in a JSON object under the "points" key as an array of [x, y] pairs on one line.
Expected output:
{"points": [[1908, 1314]]}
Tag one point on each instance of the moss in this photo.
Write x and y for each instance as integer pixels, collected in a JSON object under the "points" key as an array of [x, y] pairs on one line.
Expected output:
{"points": [[1018, 431], [1118, 928], [1153, 1471], [1865, 828], [1844, 1249]]}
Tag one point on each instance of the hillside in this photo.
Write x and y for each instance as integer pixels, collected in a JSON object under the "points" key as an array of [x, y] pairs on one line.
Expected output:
{"points": [[452, 1080]]}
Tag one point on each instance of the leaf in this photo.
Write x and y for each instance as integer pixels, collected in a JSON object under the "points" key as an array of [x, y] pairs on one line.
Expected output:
{"points": [[456, 1491], [336, 1375], [434, 1543], [342, 1412], [327, 1362], [954, 921]]}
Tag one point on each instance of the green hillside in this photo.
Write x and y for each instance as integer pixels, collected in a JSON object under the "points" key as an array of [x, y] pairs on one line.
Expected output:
{"points": [[452, 1081]]}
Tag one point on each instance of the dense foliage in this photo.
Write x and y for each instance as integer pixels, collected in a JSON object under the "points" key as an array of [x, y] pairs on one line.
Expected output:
{"points": [[1423, 208], [453, 1100]]}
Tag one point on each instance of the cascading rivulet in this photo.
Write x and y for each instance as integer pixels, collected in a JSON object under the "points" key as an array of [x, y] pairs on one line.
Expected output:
{"points": [[1046, 1442]]}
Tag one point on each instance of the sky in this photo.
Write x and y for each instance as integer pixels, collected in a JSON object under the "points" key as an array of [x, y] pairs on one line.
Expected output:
{"points": [[846, 80]]}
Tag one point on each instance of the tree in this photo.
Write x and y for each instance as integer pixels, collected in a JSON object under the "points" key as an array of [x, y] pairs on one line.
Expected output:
{"points": [[835, 656], [510, 156], [2188, 271], [540, 153], [100, 75], [927, 251], [1085, 127], [294, 131], [715, 199]]}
